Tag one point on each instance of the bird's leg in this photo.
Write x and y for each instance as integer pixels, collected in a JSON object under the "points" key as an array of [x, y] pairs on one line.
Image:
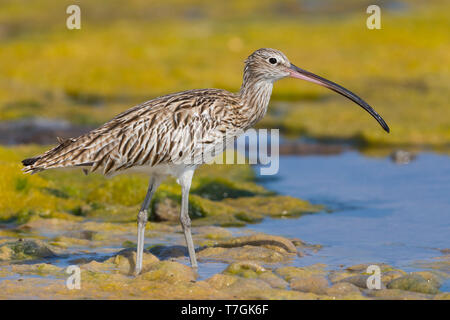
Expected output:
{"points": [[142, 221], [185, 182]]}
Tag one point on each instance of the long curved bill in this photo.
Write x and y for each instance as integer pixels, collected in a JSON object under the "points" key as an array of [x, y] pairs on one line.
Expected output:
{"points": [[299, 73]]}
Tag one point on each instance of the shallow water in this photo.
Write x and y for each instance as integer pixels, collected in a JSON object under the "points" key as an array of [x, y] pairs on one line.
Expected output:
{"points": [[381, 211], [377, 212]]}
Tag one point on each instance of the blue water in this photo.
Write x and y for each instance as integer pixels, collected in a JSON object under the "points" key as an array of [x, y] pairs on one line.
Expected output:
{"points": [[381, 211]]}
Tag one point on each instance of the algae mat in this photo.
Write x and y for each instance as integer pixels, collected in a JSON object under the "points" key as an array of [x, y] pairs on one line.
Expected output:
{"points": [[124, 55]]}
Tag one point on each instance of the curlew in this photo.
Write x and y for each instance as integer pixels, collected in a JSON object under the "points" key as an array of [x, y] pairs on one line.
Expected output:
{"points": [[170, 135]]}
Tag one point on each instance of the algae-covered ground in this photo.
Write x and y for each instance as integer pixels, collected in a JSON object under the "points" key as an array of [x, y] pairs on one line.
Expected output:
{"points": [[56, 219], [254, 266], [126, 54], [223, 195]]}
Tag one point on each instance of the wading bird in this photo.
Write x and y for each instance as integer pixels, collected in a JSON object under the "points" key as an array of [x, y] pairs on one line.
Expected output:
{"points": [[162, 133]]}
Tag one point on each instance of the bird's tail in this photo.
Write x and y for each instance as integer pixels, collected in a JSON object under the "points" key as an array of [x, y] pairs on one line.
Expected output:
{"points": [[68, 153]]}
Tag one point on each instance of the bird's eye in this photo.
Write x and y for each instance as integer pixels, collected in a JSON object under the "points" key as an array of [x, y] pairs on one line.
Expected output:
{"points": [[273, 60]]}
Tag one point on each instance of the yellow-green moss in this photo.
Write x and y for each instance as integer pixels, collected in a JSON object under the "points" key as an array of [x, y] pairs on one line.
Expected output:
{"points": [[117, 60], [221, 194]]}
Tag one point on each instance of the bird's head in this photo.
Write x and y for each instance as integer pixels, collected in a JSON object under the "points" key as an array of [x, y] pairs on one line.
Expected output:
{"points": [[268, 64], [271, 65]]}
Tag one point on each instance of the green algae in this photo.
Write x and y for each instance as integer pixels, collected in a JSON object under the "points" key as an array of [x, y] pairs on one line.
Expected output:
{"points": [[246, 269], [112, 278], [25, 250], [88, 77], [397, 294], [442, 296], [414, 283], [67, 194], [169, 271], [239, 211], [40, 269], [213, 233], [219, 188]]}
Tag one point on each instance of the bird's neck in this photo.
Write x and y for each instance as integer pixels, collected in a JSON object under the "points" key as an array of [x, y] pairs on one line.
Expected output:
{"points": [[255, 96]]}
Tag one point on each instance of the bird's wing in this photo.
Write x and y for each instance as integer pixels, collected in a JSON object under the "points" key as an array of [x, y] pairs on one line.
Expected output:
{"points": [[171, 128]]}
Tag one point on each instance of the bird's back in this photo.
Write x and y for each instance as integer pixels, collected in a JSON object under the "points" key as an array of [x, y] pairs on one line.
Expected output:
{"points": [[160, 131]]}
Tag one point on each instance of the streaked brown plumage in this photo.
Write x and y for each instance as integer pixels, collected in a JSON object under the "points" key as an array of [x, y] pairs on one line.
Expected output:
{"points": [[167, 132], [148, 134]]}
